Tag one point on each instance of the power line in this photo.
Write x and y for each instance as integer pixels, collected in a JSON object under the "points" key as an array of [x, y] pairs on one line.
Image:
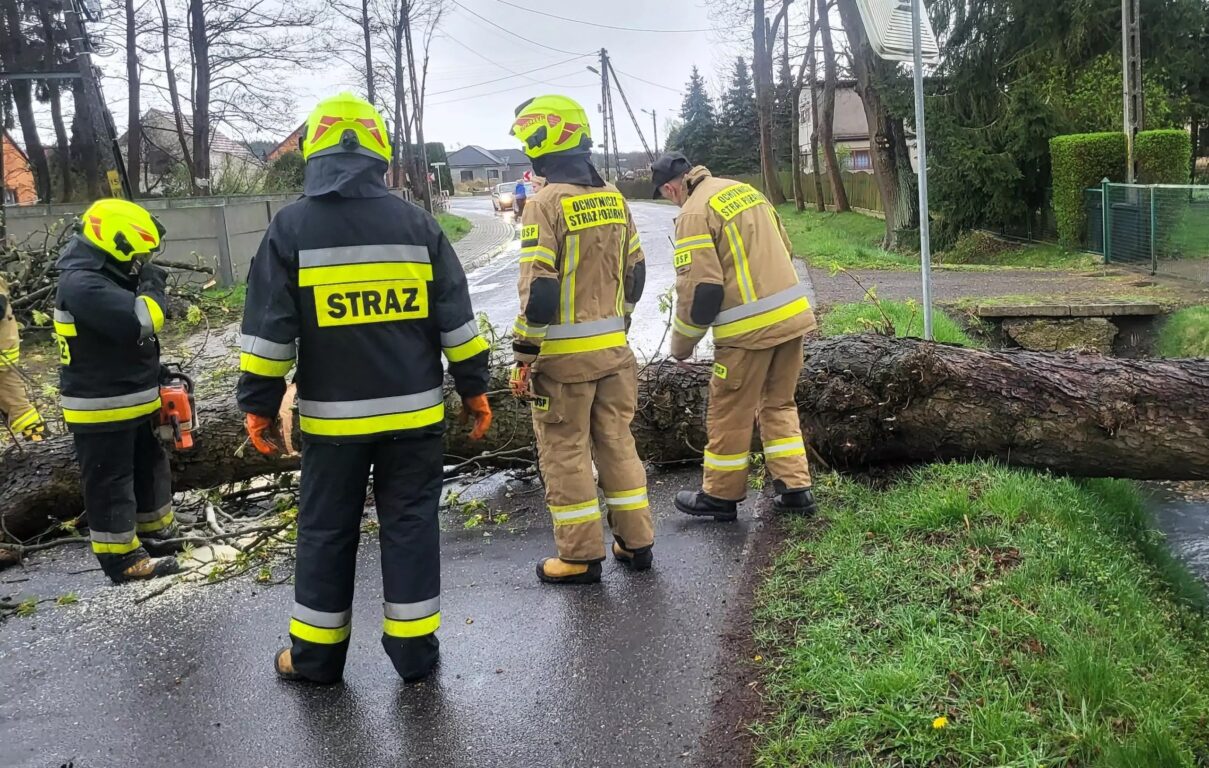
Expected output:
{"points": [[507, 90], [501, 66], [514, 34], [648, 82], [604, 26], [505, 77]]}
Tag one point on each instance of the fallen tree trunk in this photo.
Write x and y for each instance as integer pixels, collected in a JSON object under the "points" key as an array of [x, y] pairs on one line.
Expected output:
{"points": [[864, 400]]}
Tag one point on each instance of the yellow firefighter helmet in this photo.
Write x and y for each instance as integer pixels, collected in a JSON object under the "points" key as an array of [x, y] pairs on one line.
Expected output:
{"points": [[122, 229], [345, 123], [548, 124]]}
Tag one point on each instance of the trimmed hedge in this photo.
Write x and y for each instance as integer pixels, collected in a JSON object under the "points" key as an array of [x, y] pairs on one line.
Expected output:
{"points": [[1163, 157], [1080, 161]]}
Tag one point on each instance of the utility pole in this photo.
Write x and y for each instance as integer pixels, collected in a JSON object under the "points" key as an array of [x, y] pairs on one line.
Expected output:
{"points": [[654, 129], [650, 155], [612, 124], [604, 107], [1131, 79]]}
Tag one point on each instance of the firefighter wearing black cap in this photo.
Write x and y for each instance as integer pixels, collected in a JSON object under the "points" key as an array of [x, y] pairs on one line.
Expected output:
{"points": [[582, 270], [735, 275], [108, 310], [366, 292]]}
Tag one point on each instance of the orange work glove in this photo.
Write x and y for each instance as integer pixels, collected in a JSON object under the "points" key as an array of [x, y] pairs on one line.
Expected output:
{"points": [[264, 434], [477, 406], [518, 379]]}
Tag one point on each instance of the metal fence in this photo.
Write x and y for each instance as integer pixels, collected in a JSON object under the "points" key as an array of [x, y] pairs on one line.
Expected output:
{"points": [[1163, 228]]}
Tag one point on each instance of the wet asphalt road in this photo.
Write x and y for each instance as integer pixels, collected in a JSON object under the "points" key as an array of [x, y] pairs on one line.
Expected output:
{"points": [[620, 674]]}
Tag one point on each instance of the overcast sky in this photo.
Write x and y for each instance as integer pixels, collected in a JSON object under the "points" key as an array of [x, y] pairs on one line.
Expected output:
{"points": [[470, 50]]}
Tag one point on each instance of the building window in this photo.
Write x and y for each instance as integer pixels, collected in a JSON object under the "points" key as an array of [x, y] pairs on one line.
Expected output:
{"points": [[860, 160], [493, 174], [466, 174]]}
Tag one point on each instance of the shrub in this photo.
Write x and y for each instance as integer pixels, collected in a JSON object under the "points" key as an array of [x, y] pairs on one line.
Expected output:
{"points": [[286, 173], [1080, 161], [1163, 157]]}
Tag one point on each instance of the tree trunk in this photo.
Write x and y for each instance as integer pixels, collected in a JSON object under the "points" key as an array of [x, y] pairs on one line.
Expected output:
{"points": [[820, 203], [90, 107], [200, 45], [762, 74], [795, 151], [864, 400], [20, 59], [367, 37], [420, 174], [827, 119], [55, 94], [174, 98], [134, 132], [881, 135]]}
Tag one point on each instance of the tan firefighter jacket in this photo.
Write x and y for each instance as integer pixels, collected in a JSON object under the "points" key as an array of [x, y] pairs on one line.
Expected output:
{"points": [[734, 270], [582, 270], [10, 344]]}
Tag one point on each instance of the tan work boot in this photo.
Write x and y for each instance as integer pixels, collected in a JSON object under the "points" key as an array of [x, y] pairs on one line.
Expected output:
{"points": [[284, 664], [554, 570], [148, 568], [635, 560]]}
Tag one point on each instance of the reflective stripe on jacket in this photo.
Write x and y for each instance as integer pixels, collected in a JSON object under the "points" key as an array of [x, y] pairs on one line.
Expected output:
{"points": [[734, 270], [580, 272]]}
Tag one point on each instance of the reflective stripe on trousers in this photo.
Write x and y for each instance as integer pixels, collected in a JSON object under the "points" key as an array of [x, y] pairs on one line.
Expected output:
{"points": [[374, 416], [156, 520], [104, 410], [412, 619], [320, 627], [114, 543]]}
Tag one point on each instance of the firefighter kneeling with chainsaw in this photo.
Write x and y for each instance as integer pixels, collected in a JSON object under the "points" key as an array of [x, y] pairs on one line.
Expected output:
{"points": [[108, 311], [582, 271], [735, 274]]}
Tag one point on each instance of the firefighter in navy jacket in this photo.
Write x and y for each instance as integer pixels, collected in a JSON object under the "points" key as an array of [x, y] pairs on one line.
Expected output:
{"points": [[364, 292]]}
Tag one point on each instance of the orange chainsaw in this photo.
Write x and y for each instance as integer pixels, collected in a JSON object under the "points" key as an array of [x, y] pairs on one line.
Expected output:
{"points": [[178, 410]]}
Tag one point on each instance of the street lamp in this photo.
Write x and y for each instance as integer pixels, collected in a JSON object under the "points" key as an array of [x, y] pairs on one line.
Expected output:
{"points": [[654, 128]]}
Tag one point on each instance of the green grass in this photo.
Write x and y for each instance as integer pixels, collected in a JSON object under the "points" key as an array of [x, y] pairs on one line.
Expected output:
{"points": [[1040, 615], [979, 248], [454, 227], [907, 317], [1185, 334], [835, 240]]}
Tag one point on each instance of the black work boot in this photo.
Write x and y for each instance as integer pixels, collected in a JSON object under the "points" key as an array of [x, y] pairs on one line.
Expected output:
{"points": [[159, 544], [146, 568], [701, 504], [634, 559], [555, 570], [795, 503]]}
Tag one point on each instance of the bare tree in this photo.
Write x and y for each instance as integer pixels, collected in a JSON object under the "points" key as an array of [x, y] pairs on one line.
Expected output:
{"points": [[174, 99], [360, 14], [52, 60], [808, 67], [134, 131], [764, 36], [18, 55], [827, 117]]}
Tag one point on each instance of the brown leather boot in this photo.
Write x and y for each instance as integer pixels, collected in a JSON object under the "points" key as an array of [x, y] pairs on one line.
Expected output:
{"points": [[554, 570], [147, 568], [283, 663]]}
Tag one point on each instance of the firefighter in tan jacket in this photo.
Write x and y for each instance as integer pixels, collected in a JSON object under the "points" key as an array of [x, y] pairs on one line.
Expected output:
{"points": [[734, 274], [582, 270], [21, 416]]}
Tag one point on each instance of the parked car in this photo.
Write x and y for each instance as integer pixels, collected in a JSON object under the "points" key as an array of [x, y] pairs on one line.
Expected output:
{"points": [[501, 196]]}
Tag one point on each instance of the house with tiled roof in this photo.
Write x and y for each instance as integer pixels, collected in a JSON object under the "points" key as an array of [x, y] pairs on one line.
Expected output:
{"points": [[162, 157], [287, 145], [473, 163]]}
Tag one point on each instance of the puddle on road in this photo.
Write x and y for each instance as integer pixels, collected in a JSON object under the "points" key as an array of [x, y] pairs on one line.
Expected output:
{"points": [[1183, 517]]}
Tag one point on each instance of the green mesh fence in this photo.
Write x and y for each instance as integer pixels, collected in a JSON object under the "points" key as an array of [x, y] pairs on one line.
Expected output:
{"points": [[1164, 228]]}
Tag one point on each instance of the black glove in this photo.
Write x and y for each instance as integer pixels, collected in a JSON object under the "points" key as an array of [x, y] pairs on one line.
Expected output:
{"points": [[3, 306], [152, 279]]}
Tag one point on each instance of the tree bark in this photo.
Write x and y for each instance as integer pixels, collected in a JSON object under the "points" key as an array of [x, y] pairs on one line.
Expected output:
{"points": [[420, 174], [200, 47], [174, 98], [864, 400], [55, 94], [368, 49], [90, 107], [827, 119], [134, 133], [881, 134], [762, 75]]}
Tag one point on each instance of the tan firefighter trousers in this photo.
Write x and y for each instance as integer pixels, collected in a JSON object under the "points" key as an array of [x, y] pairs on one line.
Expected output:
{"points": [[14, 401], [573, 423], [750, 384]]}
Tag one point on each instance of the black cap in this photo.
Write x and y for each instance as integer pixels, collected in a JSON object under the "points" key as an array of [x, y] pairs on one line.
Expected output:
{"points": [[668, 167]]}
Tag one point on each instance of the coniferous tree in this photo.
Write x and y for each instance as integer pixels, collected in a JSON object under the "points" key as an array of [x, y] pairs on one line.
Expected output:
{"points": [[698, 132], [738, 151]]}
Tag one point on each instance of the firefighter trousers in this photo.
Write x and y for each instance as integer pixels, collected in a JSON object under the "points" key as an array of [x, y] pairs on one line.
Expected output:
{"points": [[18, 412], [751, 384], [127, 485], [407, 477], [572, 423]]}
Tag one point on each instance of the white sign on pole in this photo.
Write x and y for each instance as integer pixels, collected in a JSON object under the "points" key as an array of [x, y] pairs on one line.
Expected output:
{"points": [[899, 30]]}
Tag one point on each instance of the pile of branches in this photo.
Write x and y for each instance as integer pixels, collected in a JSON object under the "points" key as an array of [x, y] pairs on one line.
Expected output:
{"points": [[28, 266]]}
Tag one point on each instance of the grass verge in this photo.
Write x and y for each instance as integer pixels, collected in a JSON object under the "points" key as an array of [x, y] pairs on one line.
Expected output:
{"points": [[454, 227], [906, 317], [834, 240], [982, 249], [1185, 334], [974, 615]]}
